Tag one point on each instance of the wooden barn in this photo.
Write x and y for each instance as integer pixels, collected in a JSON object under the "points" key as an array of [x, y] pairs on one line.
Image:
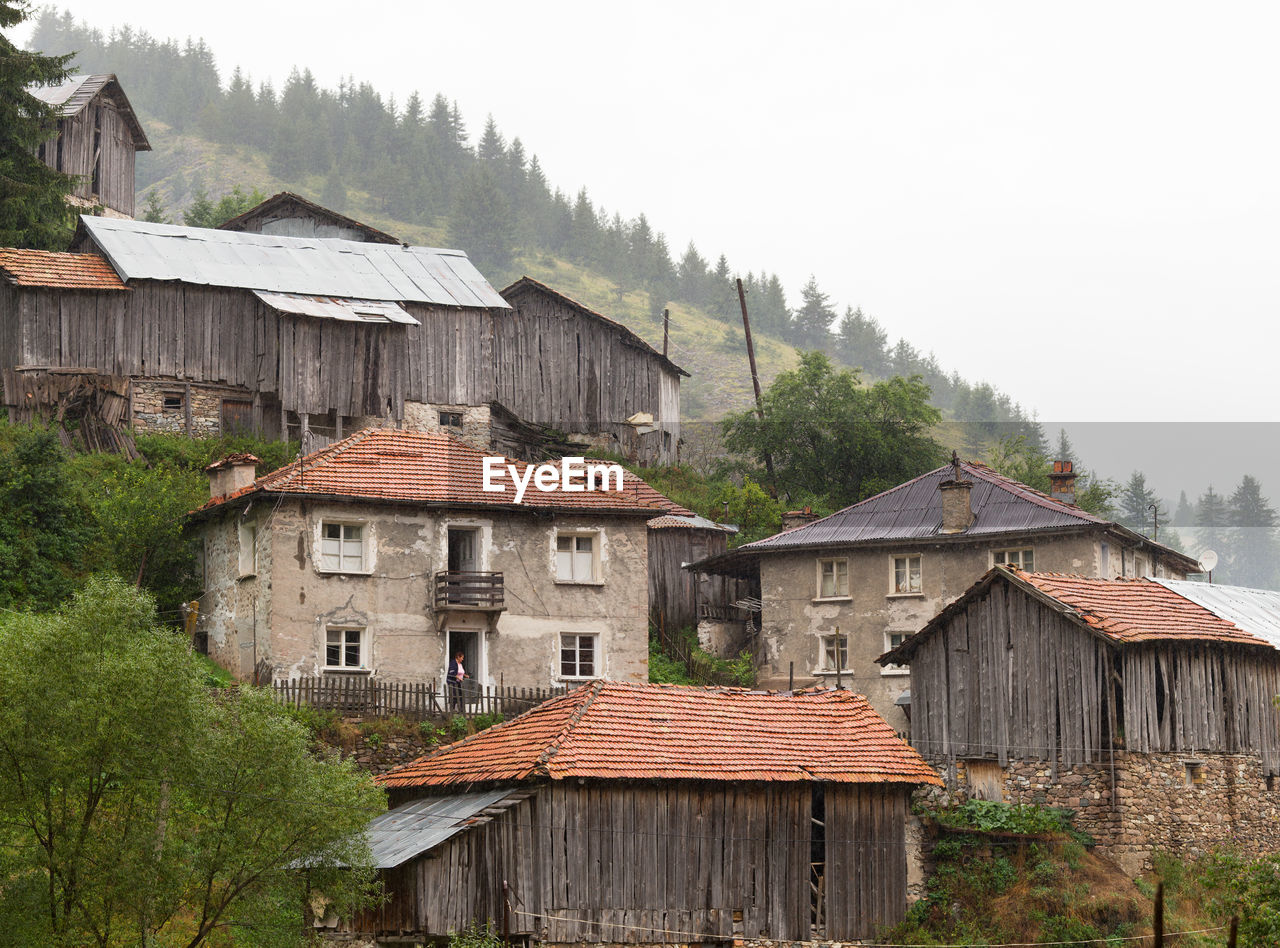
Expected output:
{"points": [[291, 215], [586, 375], [98, 137], [624, 813], [1146, 705]]}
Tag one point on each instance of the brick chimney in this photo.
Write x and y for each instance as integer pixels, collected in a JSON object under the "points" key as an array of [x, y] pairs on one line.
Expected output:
{"points": [[798, 518], [1062, 482], [227, 475], [957, 505]]}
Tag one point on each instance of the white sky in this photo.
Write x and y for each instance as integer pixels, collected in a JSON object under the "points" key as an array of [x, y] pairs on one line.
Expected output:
{"points": [[1077, 202]]}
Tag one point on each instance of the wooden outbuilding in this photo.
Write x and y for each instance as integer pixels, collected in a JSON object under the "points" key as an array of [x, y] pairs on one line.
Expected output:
{"points": [[1146, 705], [292, 215], [98, 137], [624, 813], [677, 596], [586, 375]]}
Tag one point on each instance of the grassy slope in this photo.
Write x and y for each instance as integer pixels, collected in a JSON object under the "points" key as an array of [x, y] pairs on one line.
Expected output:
{"points": [[712, 351]]}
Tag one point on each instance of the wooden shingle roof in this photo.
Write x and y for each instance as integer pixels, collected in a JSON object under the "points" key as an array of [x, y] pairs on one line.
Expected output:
{"points": [[624, 731]]}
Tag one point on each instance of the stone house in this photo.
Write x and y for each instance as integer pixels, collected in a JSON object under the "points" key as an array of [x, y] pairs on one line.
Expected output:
{"points": [[838, 592], [383, 553], [1146, 705], [625, 813]]}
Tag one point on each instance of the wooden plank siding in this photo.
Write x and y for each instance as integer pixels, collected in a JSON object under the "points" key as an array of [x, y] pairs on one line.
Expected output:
{"points": [[675, 592], [637, 863], [1010, 677], [582, 375], [96, 137]]}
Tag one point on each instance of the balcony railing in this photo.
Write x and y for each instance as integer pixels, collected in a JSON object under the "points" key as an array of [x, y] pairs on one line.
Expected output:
{"points": [[479, 591]]}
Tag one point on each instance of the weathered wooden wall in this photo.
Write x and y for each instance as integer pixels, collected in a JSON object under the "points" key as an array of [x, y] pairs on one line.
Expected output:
{"points": [[579, 374], [96, 142], [661, 863], [1010, 677], [674, 592], [450, 356]]}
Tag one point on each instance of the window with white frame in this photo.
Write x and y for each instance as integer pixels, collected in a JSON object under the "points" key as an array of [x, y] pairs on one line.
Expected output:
{"points": [[1023, 559], [248, 533], [576, 558], [891, 641], [342, 548], [344, 648], [579, 655], [833, 579], [835, 653], [906, 575]]}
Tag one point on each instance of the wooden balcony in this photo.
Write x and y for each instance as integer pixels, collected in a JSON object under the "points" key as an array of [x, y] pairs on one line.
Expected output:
{"points": [[478, 592]]}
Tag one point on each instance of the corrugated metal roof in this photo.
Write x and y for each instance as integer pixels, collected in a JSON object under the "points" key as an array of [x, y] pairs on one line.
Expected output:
{"points": [[412, 829], [333, 307], [1256, 611], [914, 511], [313, 266]]}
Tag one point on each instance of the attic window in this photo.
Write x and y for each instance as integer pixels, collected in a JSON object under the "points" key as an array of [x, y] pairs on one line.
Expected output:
{"points": [[172, 401], [451, 419]]}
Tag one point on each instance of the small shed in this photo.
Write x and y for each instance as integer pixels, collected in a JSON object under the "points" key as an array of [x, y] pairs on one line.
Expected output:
{"points": [[98, 137], [637, 814], [291, 215], [676, 594]]}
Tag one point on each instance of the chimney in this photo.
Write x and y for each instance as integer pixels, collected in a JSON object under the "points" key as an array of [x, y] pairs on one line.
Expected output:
{"points": [[1062, 482], [957, 505], [798, 518], [229, 474]]}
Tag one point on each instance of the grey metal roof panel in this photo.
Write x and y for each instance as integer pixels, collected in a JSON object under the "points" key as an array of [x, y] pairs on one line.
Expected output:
{"points": [[913, 511], [333, 307], [412, 829], [314, 266], [1256, 611]]}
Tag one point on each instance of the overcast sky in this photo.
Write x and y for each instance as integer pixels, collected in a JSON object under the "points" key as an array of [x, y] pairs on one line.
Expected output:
{"points": [[1077, 202]]}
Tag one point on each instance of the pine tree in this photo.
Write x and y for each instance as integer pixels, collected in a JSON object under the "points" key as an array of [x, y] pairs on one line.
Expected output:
{"points": [[33, 210], [491, 147], [860, 341], [480, 223], [1213, 518], [811, 325], [1253, 545], [153, 209], [1136, 500], [1184, 515], [334, 195], [1066, 450]]}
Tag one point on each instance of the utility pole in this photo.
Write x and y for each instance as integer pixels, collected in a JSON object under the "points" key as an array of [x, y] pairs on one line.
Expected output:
{"points": [[666, 330], [755, 380]]}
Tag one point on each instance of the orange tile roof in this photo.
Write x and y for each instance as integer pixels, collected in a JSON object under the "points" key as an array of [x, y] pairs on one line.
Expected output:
{"points": [[1137, 610], [382, 464], [69, 271], [622, 731]]}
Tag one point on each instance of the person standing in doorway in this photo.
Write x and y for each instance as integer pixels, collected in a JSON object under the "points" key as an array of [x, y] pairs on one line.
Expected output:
{"points": [[454, 680]]}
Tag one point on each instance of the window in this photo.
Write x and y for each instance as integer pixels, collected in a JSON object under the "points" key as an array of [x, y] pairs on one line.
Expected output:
{"points": [[172, 401], [576, 558], [1023, 559], [891, 641], [248, 549], [833, 579], [451, 419], [835, 653], [906, 575], [1193, 771], [342, 548], [343, 648], [577, 655]]}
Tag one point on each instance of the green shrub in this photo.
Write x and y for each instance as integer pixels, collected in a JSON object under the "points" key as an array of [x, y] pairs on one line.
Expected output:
{"points": [[473, 936]]}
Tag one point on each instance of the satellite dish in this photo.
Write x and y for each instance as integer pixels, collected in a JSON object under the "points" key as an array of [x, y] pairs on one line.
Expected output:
{"points": [[1208, 560]]}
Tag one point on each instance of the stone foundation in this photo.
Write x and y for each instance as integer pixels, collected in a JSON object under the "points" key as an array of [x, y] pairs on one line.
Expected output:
{"points": [[475, 429], [1180, 803], [151, 416]]}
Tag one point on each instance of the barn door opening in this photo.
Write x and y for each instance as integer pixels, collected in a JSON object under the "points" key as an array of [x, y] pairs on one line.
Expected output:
{"points": [[818, 865]]}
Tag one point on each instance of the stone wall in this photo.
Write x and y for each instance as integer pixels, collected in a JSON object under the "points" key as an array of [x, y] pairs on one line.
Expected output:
{"points": [[1180, 803], [151, 416], [475, 430]]}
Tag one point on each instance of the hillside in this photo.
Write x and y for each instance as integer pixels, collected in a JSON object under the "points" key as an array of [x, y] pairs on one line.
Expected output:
{"points": [[711, 350]]}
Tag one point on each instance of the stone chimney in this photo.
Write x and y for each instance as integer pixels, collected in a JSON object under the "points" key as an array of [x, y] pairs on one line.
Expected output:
{"points": [[1062, 482], [229, 474], [957, 505], [798, 518]]}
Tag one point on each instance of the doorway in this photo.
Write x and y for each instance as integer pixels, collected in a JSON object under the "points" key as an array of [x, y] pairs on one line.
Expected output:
{"points": [[470, 643]]}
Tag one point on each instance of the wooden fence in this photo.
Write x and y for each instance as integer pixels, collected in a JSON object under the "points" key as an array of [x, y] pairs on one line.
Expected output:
{"points": [[371, 697]]}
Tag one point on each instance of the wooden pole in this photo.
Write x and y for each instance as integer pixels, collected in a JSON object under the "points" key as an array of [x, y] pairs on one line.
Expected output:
{"points": [[1157, 924], [666, 330], [1231, 935], [506, 914], [755, 379]]}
